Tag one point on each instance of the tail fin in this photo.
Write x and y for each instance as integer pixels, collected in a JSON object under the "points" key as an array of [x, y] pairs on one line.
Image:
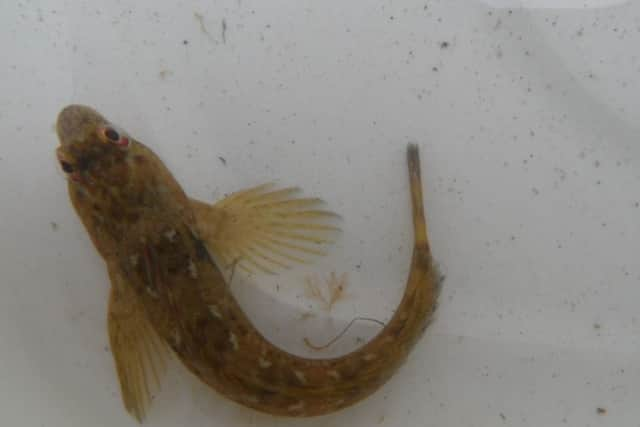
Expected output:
{"points": [[417, 204]]}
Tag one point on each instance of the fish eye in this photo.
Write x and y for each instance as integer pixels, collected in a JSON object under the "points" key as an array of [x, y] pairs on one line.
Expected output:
{"points": [[112, 135], [66, 166], [109, 134]]}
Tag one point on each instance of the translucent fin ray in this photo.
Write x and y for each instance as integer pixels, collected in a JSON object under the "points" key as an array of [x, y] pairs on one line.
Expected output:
{"points": [[139, 355], [266, 229]]}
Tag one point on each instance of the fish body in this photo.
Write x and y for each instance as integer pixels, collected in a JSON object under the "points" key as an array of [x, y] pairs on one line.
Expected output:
{"points": [[163, 250]]}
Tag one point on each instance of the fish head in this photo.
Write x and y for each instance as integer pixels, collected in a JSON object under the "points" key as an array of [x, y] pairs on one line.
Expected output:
{"points": [[93, 152], [109, 171]]}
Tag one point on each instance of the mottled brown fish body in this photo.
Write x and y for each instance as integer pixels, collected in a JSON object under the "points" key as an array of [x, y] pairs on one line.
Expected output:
{"points": [[157, 245]]}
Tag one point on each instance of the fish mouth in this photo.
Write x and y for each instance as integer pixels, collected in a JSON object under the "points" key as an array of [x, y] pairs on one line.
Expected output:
{"points": [[74, 125], [75, 121]]}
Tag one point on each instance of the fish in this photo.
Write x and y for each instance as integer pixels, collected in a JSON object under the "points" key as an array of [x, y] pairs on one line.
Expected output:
{"points": [[165, 255]]}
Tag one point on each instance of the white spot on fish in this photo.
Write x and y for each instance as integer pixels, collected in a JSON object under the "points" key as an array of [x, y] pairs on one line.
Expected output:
{"points": [[233, 340], [193, 270], [264, 363], [133, 259], [151, 292], [369, 357], [300, 376], [334, 374], [297, 407], [213, 309], [177, 338], [170, 235]]}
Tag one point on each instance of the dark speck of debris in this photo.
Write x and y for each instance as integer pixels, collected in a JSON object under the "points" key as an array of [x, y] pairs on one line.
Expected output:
{"points": [[435, 69], [200, 18], [222, 160], [596, 326], [503, 417], [185, 42], [444, 45], [224, 30], [601, 411], [54, 225], [535, 191]]}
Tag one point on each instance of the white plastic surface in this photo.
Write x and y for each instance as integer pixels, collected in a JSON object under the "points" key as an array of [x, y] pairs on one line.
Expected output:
{"points": [[528, 125]]}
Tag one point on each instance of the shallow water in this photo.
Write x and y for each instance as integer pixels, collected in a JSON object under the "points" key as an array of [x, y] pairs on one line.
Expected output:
{"points": [[527, 123]]}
